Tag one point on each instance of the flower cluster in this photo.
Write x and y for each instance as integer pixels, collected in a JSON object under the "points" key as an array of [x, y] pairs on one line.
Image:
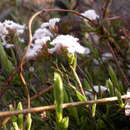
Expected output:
{"points": [[41, 36], [5, 29], [19, 29], [3, 32], [46, 33], [70, 43], [91, 14]]}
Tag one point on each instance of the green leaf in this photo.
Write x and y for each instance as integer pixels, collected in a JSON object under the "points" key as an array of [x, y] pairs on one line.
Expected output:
{"points": [[15, 126], [5, 62], [72, 60], [109, 84], [78, 94], [29, 121], [94, 107], [74, 112], [118, 94], [113, 77], [117, 84], [20, 116], [58, 95], [65, 123]]}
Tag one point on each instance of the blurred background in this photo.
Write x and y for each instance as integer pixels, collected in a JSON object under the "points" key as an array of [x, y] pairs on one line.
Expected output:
{"points": [[24, 8]]}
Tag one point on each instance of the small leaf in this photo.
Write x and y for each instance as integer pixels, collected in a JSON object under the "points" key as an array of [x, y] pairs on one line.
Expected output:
{"points": [[72, 60], [79, 95], [29, 121], [109, 84], [59, 96], [5, 62], [15, 126], [94, 107], [65, 123], [20, 116], [118, 94]]}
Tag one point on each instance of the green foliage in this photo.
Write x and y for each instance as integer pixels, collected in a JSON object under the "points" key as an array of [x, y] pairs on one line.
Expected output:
{"points": [[29, 121], [67, 73], [5, 62], [20, 116], [78, 94], [62, 123]]}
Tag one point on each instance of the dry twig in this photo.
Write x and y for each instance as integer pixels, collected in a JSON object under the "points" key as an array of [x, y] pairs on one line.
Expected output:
{"points": [[66, 105]]}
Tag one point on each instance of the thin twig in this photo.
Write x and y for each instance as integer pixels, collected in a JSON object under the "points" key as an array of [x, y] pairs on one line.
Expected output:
{"points": [[118, 65], [106, 7], [11, 76], [2, 123], [66, 105], [78, 81], [21, 63], [40, 93]]}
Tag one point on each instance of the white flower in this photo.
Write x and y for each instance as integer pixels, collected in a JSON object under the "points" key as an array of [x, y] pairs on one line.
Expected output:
{"points": [[68, 42], [3, 30], [45, 25], [127, 106], [128, 66], [8, 45], [42, 32], [106, 56], [31, 69], [21, 40], [96, 62], [7, 24], [100, 88], [31, 53], [91, 14], [97, 89], [53, 21], [42, 40], [14, 26], [41, 36], [36, 47]]}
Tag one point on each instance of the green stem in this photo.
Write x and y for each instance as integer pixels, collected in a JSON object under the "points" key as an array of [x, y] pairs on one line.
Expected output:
{"points": [[78, 80]]}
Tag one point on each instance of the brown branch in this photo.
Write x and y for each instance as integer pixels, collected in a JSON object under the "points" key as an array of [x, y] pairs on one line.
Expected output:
{"points": [[66, 105], [68, 11]]}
